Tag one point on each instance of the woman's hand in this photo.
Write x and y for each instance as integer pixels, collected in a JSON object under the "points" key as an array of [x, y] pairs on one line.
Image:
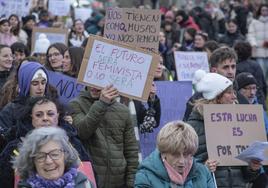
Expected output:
{"points": [[68, 119], [255, 164], [212, 165]]}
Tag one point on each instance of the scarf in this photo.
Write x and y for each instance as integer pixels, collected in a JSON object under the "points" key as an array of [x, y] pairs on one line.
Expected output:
{"points": [[65, 181], [263, 19], [176, 177]]}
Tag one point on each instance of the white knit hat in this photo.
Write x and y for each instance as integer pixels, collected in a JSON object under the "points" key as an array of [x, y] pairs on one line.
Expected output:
{"points": [[210, 84], [41, 44]]}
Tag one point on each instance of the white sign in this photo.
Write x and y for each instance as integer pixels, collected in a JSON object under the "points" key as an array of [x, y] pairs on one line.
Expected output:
{"points": [[126, 69], [18, 7], [82, 13], [189, 62], [59, 7]]}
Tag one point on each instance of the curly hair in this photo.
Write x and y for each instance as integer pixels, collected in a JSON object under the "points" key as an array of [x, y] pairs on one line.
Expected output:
{"points": [[24, 162]]}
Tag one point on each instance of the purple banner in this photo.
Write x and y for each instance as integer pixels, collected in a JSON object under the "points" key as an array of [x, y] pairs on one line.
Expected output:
{"points": [[173, 97]]}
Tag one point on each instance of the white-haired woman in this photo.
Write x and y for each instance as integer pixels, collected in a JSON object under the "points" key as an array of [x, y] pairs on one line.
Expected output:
{"points": [[217, 89], [47, 159], [172, 163]]}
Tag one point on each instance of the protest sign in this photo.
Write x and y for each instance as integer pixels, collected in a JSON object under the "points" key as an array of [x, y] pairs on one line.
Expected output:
{"points": [[53, 35], [20, 8], [82, 13], [66, 86], [230, 129], [129, 69], [173, 98], [59, 7], [189, 62], [138, 27]]}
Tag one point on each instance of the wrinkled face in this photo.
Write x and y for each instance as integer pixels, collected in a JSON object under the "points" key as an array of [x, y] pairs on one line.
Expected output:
{"points": [[231, 27], [228, 97], [264, 11], [45, 114], [38, 87], [49, 161], [66, 62], [19, 56], [6, 59], [199, 41], [159, 69], [249, 92], [178, 161], [79, 26], [95, 93], [227, 68], [55, 58], [13, 21], [4, 28]]}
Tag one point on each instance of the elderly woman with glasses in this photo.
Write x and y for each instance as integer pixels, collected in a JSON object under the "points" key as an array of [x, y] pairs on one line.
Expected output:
{"points": [[47, 159], [172, 163]]}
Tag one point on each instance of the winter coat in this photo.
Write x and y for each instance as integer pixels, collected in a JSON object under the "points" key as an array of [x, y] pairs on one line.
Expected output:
{"points": [[226, 176], [81, 181], [231, 38], [257, 35], [14, 139], [152, 174], [107, 133], [255, 69]]}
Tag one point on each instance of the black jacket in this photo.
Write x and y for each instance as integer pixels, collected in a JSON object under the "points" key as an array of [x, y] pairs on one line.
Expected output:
{"points": [[231, 38]]}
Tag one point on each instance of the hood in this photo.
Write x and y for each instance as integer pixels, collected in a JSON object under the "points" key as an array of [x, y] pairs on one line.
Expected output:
{"points": [[153, 163], [25, 75]]}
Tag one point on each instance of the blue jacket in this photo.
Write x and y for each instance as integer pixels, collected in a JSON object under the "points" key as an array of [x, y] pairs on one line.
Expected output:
{"points": [[152, 174]]}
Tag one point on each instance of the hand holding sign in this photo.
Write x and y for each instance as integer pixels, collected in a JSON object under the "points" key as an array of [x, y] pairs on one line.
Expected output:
{"points": [[212, 165], [108, 94]]}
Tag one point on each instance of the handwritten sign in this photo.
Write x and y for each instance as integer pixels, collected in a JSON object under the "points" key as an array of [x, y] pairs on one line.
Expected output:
{"points": [[230, 129], [59, 7], [66, 86], [128, 68], [53, 35], [173, 98], [133, 26], [189, 62], [82, 13], [20, 8]]}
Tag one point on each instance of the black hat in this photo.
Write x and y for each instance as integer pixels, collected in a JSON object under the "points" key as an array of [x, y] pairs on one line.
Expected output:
{"points": [[245, 78], [27, 18]]}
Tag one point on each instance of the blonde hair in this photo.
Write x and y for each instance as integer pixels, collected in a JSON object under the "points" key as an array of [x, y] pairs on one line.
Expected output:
{"points": [[177, 137]]}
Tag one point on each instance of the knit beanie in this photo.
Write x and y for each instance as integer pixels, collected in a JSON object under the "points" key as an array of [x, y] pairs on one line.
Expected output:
{"points": [[245, 78], [169, 14], [210, 84], [41, 44], [25, 74]]}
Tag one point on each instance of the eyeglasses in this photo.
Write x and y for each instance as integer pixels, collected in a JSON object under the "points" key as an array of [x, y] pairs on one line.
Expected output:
{"points": [[56, 54], [54, 155]]}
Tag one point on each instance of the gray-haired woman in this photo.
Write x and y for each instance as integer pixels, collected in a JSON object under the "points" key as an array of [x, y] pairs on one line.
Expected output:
{"points": [[47, 159]]}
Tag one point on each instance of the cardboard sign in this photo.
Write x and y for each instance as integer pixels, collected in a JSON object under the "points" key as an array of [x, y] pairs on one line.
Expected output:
{"points": [[173, 98], [66, 86], [59, 7], [129, 69], [230, 129], [53, 35], [138, 27], [20, 8], [189, 62]]}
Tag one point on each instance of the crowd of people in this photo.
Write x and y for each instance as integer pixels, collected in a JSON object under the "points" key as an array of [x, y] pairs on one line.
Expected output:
{"points": [[42, 142]]}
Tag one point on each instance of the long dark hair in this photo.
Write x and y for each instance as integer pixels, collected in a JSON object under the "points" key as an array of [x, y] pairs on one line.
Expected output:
{"points": [[76, 56], [15, 30], [60, 47]]}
